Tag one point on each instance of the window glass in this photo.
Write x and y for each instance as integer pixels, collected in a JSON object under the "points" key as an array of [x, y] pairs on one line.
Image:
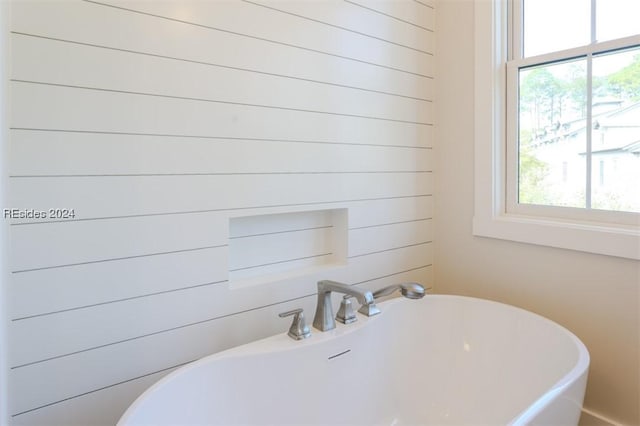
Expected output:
{"points": [[616, 131], [554, 156], [616, 18], [552, 134], [578, 111], [551, 25]]}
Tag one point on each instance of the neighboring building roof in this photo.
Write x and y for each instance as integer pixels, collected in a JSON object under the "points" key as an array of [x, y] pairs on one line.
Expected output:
{"points": [[632, 148], [625, 117]]}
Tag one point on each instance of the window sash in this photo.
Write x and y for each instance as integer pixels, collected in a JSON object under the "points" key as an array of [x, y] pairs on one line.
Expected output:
{"points": [[513, 68]]}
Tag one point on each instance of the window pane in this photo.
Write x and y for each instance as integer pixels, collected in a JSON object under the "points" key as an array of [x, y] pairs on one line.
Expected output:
{"points": [[615, 177], [617, 18], [552, 134], [551, 25]]}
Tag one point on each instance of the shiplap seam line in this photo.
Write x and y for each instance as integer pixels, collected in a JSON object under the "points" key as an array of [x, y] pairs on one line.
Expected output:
{"points": [[388, 15], [279, 262], [424, 4], [308, 49], [390, 249], [224, 209], [394, 274], [216, 101], [115, 259], [284, 231], [338, 27], [378, 225], [125, 299], [249, 70], [110, 175], [102, 388], [200, 322], [219, 138]]}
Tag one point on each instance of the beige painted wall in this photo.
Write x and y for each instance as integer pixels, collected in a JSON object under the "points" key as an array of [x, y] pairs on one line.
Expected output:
{"points": [[596, 297]]}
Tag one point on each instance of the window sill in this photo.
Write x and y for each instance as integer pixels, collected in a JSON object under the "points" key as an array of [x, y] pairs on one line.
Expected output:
{"points": [[592, 238]]}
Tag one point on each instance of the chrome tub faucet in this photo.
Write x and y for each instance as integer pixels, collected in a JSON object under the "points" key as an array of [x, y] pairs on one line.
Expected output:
{"points": [[324, 319]]}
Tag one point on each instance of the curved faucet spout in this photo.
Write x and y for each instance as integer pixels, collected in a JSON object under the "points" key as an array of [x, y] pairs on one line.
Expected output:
{"points": [[324, 319], [363, 296]]}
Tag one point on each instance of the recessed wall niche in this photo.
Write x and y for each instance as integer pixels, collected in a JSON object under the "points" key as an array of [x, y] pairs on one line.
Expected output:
{"points": [[264, 248]]}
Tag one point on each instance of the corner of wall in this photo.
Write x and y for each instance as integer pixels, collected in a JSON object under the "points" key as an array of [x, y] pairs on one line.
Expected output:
{"points": [[589, 418], [4, 123]]}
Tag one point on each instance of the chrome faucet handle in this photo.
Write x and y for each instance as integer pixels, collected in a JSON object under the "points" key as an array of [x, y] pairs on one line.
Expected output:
{"points": [[299, 329], [345, 314], [369, 309]]}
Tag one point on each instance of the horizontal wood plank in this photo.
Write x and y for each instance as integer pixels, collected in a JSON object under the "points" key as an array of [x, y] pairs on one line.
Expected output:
{"points": [[38, 106], [107, 197], [42, 153]]}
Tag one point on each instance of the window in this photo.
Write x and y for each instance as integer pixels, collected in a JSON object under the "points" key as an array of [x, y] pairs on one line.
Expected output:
{"points": [[573, 87], [562, 79]]}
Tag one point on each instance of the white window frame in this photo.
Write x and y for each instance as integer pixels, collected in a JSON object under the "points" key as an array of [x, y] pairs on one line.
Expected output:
{"points": [[541, 225]]}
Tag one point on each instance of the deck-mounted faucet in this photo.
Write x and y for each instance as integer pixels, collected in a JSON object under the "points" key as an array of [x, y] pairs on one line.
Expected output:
{"points": [[324, 319]]}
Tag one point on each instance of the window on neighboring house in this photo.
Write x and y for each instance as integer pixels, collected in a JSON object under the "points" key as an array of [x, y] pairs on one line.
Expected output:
{"points": [[557, 101], [573, 88]]}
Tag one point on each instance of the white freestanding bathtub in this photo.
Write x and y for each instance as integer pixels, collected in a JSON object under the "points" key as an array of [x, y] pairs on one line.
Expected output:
{"points": [[441, 360]]}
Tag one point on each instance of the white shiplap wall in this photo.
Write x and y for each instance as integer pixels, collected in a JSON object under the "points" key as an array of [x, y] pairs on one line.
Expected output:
{"points": [[158, 122]]}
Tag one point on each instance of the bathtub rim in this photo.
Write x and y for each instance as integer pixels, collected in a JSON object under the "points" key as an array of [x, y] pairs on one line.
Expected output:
{"points": [[281, 342]]}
